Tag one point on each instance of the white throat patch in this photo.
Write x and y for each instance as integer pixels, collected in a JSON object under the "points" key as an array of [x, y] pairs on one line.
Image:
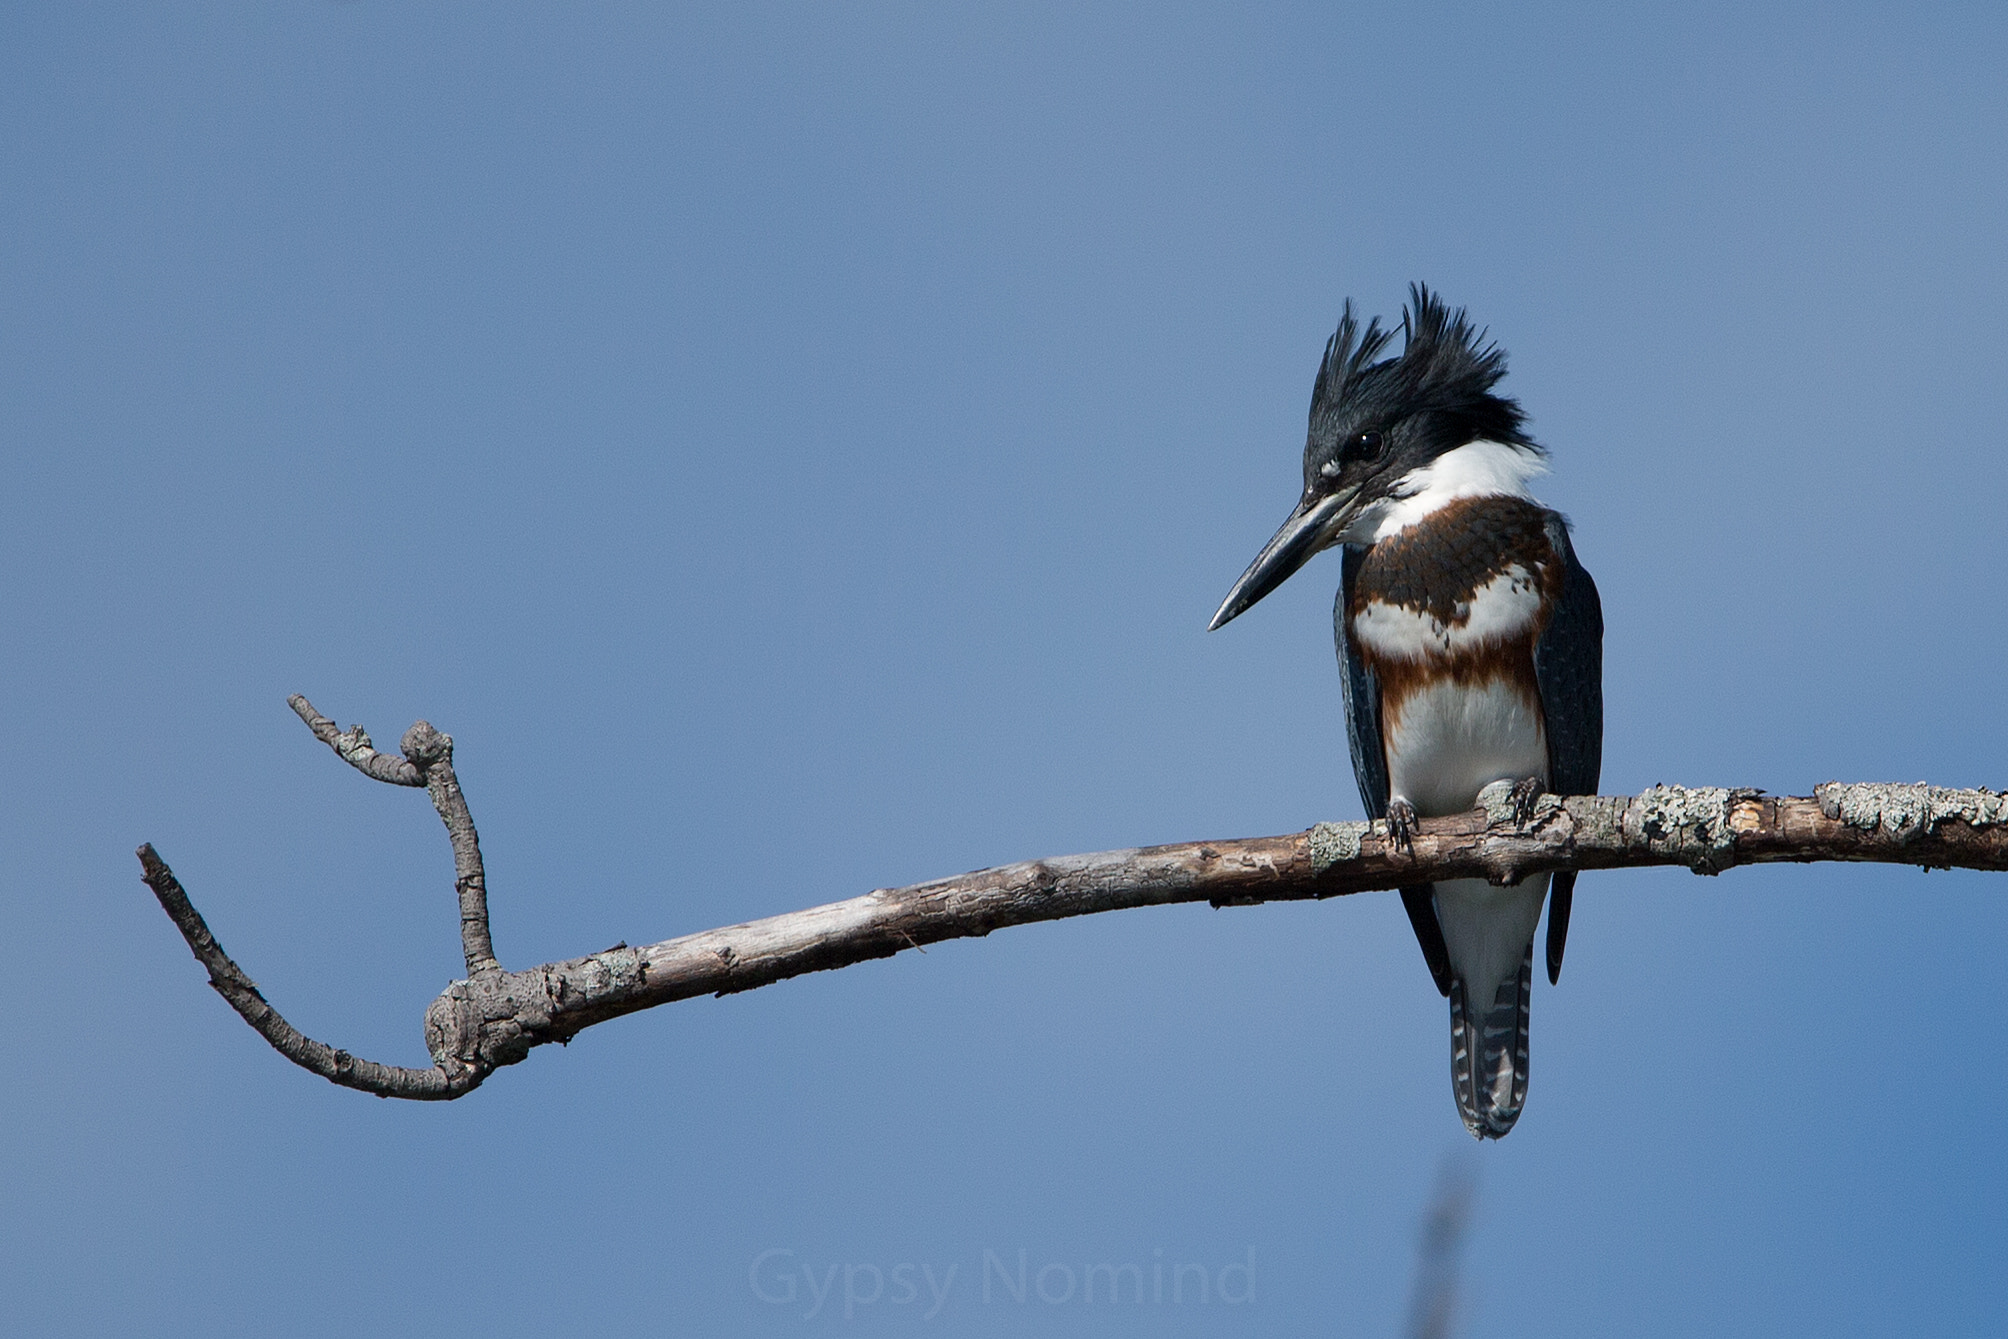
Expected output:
{"points": [[1476, 469]]}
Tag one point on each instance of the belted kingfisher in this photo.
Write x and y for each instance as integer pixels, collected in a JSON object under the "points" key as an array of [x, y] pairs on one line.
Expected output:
{"points": [[1471, 642]]}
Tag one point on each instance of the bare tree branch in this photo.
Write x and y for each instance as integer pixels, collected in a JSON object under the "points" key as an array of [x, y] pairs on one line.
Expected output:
{"points": [[242, 992], [428, 762], [494, 1017], [353, 747]]}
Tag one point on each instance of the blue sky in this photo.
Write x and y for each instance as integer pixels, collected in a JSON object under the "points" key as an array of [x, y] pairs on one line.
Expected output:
{"points": [[796, 449]]}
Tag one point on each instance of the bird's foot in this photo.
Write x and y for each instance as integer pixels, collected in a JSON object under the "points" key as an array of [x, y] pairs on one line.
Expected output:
{"points": [[1401, 821], [1525, 797]]}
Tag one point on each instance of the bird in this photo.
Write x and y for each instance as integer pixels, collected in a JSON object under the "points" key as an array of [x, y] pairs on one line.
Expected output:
{"points": [[1470, 640]]}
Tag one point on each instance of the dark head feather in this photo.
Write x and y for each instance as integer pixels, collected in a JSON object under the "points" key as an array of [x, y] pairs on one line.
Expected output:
{"points": [[1443, 378], [1344, 360]]}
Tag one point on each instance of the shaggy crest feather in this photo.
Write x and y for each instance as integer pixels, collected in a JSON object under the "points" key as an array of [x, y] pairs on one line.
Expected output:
{"points": [[1446, 366]]}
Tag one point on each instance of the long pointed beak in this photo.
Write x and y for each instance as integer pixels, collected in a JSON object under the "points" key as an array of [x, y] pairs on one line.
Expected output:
{"points": [[1309, 529]]}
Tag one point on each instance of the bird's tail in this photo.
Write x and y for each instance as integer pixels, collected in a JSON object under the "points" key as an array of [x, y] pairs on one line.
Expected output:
{"points": [[1488, 1053]]}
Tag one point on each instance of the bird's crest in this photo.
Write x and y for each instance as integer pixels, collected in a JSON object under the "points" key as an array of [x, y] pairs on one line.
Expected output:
{"points": [[1446, 364], [1347, 354]]}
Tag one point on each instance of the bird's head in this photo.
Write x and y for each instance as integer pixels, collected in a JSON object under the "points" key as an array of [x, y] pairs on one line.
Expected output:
{"points": [[1377, 427]]}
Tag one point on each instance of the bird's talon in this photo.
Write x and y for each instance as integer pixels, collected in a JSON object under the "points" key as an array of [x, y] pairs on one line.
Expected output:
{"points": [[1526, 797], [1401, 821]]}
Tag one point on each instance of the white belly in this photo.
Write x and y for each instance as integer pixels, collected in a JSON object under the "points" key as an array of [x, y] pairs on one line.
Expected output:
{"points": [[1448, 743]]}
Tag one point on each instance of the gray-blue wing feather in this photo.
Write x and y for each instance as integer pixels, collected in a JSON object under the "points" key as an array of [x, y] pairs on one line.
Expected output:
{"points": [[1569, 666], [1363, 733], [1363, 730]]}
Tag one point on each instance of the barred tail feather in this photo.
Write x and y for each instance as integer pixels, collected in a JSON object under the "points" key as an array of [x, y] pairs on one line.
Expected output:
{"points": [[1488, 1053]]}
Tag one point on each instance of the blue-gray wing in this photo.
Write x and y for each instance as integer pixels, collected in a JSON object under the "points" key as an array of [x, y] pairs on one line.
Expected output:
{"points": [[1363, 730], [1363, 733], [1569, 666]]}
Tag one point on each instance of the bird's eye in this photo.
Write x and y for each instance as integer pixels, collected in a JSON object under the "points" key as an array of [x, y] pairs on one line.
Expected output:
{"points": [[1364, 446]]}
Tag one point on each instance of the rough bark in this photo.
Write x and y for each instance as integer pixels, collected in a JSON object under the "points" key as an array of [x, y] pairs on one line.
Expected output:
{"points": [[494, 1017]]}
